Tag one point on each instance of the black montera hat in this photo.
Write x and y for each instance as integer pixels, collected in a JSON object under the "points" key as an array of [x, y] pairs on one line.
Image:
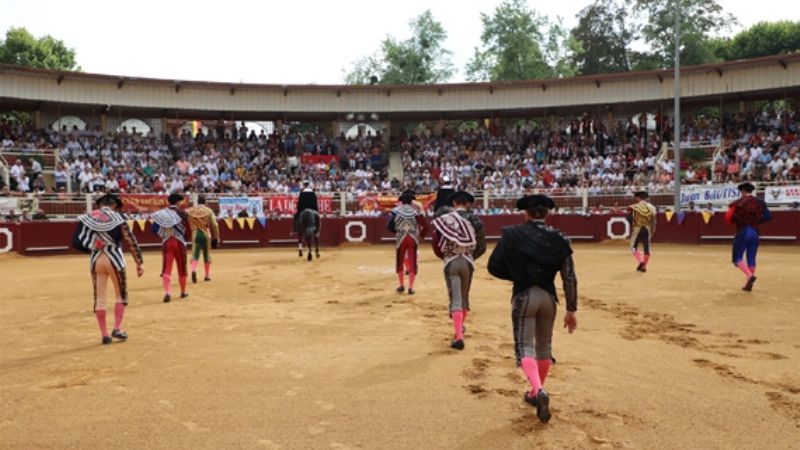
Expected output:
{"points": [[103, 199], [746, 187], [174, 198], [532, 201], [460, 197], [408, 195], [641, 194]]}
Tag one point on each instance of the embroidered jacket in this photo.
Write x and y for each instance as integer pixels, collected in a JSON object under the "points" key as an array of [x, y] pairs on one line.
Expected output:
{"points": [[404, 221], [458, 234], [170, 222], [643, 214], [202, 218]]}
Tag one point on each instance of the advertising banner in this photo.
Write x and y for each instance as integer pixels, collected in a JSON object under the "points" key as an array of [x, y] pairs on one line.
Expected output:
{"points": [[702, 195], [231, 207], [782, 194], [287, 204]]}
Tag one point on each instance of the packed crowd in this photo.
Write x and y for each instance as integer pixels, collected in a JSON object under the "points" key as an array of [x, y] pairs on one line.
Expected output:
{"points": [[572, 154], [233, 162], [577, 154], [763, 147]]}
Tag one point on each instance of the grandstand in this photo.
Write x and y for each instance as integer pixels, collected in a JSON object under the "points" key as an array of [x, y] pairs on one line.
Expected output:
{"points": [[587, 140]]}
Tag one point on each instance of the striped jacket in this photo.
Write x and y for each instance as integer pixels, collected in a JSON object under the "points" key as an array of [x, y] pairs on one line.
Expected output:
{"points": [[103, 232], [404, 221], [171, 222]]}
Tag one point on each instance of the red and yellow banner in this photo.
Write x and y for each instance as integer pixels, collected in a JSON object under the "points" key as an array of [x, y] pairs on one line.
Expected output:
{"points": [[388, 202], [146, 203]]}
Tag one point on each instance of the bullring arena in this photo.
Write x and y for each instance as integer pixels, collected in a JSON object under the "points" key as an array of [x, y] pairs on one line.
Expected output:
{"points": [[276, 352], [279, 352]]}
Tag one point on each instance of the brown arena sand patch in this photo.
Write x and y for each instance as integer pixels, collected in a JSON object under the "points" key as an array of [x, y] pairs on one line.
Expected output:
{"points": [[277, 352]]}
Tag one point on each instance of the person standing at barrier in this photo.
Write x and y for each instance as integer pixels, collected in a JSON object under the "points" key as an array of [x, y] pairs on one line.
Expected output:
{"points": [[459, 239], [443, 194], [530, 255], [409, 226], [171, 225], [101, 234], [205, 235], [643, 226], [747, 213]]}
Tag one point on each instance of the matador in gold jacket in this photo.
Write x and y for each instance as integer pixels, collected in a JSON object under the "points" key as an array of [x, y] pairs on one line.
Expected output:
{"points": [[205, 235]]}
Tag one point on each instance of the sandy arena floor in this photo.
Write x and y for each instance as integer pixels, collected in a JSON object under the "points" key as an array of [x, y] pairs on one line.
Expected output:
{"points": [[280, 353]]}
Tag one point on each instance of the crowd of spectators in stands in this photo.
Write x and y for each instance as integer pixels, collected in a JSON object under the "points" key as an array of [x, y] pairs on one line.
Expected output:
{"points": [[576, 154], [211, 162], [562, 157]]}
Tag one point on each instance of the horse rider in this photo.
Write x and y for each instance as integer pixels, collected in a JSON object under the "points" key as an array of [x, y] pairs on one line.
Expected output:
{"points": [[307, 200]]}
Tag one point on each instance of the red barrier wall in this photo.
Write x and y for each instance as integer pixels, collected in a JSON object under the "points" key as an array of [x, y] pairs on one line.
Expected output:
{"points": [[41, 238]]}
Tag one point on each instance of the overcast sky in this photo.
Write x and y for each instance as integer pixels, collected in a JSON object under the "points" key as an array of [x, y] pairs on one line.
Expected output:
{"points": [[293, 42]]}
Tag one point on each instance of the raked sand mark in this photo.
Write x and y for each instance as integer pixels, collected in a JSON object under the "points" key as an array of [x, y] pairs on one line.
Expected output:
{"points": [[640, 324]]}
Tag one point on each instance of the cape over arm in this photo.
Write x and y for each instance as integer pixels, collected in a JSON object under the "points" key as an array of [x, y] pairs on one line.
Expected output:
{"points": [[76, 239], [498, 264]]}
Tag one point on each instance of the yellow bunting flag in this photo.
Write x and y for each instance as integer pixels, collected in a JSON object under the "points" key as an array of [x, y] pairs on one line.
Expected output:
{"points": [[669, 213], [240, 221], [251, 222], [229, 223], [130, 224], [142, 224], [707, 216]]}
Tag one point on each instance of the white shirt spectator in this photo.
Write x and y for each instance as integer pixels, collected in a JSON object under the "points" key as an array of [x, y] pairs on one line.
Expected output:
{"points": [[23, 184], [176, 185], [17, 170], [112, 184], [85, 177]]}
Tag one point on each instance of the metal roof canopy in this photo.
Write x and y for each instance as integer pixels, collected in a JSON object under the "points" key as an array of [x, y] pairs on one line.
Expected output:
{"points": [[39, 90]]}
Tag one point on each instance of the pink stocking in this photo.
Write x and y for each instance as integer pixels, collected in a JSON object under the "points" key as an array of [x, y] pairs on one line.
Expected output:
{"points": [[638, 255], [119, 312], [544, 368], [531, 371], [182, 282], [207, 267], [646, 259], [400, 278], [194, 265], [458, 324], [101, 321], [167, 280], [743, 267], [411, 277]]}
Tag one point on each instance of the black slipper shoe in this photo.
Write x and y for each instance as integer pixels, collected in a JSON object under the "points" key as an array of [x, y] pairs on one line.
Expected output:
{"points": [[542, 406], [121, 335]]}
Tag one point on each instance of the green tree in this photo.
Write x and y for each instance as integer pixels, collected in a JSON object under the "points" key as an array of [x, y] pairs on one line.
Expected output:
{"points": [[418, 59], [700, 19], [605, 33], [520, 44], [762, 39], [21, 48]]}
